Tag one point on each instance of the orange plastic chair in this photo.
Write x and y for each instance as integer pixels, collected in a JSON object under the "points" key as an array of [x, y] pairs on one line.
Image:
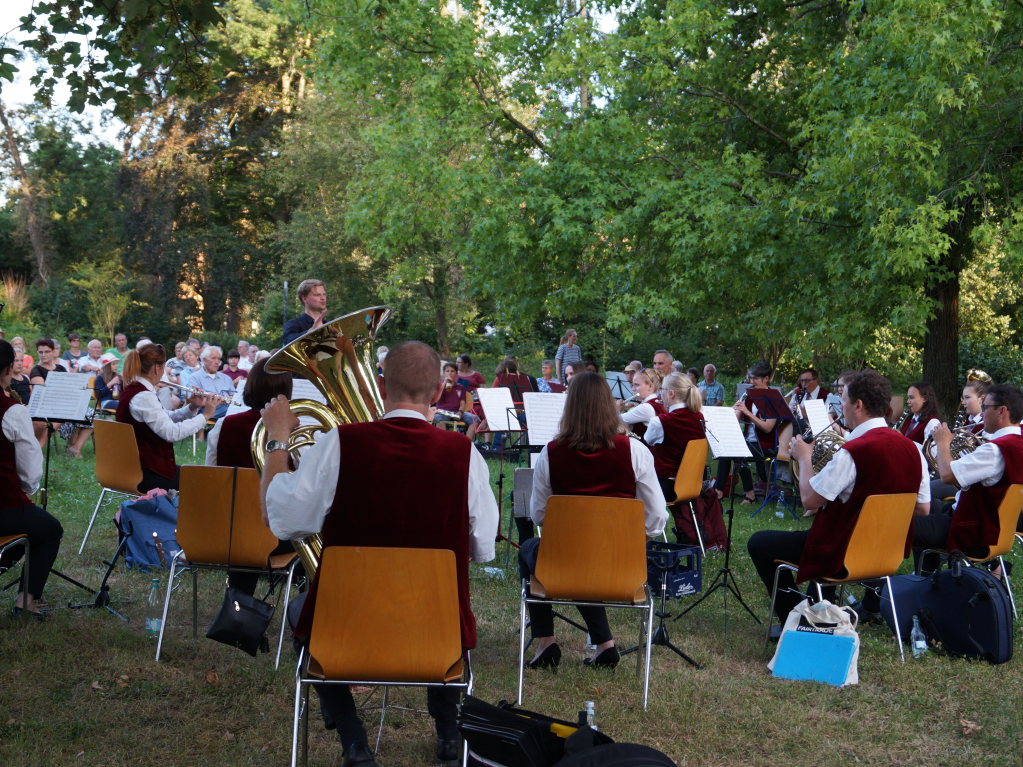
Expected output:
{"points": [[1008, 518], [593, 552], [9, 542], [405, 632], [689, 480], [118, 468], [220, 527], [875, 551]]}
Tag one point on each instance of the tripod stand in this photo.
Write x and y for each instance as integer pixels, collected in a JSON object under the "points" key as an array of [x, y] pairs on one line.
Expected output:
{"points": [[664, 561], [724, 578]]}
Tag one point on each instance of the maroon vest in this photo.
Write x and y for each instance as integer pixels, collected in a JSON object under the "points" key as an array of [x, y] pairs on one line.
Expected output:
{"points": [[975, 520], [606, 472], [234, 445], [11, 494], [679, 426], [639, 429], [886, 462], [915, 432], [402, 482], [767, 409], [155, 453]]}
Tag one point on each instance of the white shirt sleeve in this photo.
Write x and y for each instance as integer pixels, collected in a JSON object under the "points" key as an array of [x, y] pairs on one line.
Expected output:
{"points": [[297, 502], [654, 432], [648, 489], [483, 513], [170, 426], [930, 427], [984, 465], [642, 413], [211, 443], [28, 456], [541, 488], [836, 480]]}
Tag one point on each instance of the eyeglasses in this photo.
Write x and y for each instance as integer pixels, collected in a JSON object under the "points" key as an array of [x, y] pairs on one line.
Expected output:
{"points": [[991, 406], [805, 381]]}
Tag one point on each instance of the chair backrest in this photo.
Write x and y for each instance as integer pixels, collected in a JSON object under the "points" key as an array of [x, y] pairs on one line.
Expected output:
{"points": [[1008, 519], [387, 614], [117, 456], [689, 479], [468, 401], [878, 543], [593, 548], [204, 517]]}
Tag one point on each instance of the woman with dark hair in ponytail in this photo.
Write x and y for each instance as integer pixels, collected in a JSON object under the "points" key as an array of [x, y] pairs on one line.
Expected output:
{"points": [[21, 468], [923, 409], [156, 429]]}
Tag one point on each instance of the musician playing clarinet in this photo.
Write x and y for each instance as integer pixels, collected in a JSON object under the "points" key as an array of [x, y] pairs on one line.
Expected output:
{"points": [[984, 475], [875, 459], [394, 482]]}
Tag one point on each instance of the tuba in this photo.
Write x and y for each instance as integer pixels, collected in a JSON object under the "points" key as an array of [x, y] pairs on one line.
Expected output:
{"points": [[337, 358], [824, 448], [964, 442]]}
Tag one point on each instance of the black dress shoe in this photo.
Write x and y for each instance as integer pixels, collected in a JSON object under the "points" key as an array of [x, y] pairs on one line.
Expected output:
{"points": [[549, 658], [358, 755], [449, 752], [607, 659]]}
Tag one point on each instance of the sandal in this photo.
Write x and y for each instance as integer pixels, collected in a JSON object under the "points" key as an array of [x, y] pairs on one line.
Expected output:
{"points": [[747, 501]]}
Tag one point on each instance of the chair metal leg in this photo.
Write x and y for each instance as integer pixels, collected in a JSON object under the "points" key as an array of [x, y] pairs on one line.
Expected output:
{"points": [[92, 520], [298, 711], [1008, 586], [195, 603], [774, 599], [522, 641], [895, 618], [166, 602], [284, 613], [383, 713], [696, 526], [649, 642]]}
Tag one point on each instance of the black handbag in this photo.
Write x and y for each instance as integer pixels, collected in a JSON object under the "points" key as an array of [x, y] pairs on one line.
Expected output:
{"points": [[242, 622], [242, 619]]}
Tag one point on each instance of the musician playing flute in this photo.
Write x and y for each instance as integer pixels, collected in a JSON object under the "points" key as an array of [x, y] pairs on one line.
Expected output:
{"points": [[984, 476], [394, 482], [875, 459]]}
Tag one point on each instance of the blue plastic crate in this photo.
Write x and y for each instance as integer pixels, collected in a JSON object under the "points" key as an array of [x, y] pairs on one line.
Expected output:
{"points": [[684, 564]]}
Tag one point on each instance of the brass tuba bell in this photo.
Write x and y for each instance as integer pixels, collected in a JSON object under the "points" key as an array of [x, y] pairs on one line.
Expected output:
{"points": [[337, 358]]}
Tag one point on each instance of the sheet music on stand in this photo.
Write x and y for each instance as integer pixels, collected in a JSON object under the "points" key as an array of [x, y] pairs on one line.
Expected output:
{"points": [[817, 415], [543, 415], [724, 434], [237, 404], [64, 397], [499, 409]]}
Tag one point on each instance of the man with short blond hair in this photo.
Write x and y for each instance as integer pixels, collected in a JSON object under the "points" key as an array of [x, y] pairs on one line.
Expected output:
{"points": [[313, 296]]}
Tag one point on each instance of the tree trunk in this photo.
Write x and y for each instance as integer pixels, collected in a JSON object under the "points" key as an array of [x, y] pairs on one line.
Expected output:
{"points": [[941, 342], [439, 295], [35, 229]]}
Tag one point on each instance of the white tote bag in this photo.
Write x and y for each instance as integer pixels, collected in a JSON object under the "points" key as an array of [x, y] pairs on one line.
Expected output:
{"points": [[818, 642]]}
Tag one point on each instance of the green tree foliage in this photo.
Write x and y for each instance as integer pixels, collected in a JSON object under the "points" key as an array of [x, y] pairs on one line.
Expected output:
{"points": [[107, 295]]}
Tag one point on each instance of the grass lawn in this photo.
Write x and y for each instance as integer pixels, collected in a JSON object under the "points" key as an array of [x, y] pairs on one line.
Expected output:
{"points": [[82, 688]]}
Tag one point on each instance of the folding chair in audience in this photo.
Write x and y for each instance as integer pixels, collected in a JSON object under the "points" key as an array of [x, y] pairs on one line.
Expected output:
{"points": [[689, 480], [1008, 518], [8, 543], [593, 554], [220, 527], [384, 617], [876, 549], [118, 469]]}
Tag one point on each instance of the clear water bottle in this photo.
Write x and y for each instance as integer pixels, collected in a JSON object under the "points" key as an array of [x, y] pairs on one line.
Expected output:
{"points": [[591, 714], [154, 610], [917, 639]]}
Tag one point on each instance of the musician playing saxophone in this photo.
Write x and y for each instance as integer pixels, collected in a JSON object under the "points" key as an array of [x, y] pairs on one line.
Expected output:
{"points": [[394, 482], [984, 475], [875, 459]]}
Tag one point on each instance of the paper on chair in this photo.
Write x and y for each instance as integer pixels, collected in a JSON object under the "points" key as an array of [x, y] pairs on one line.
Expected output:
{"points": [[64, 397], [724, 434], [817, 415], [543, 415], [499, 409]]}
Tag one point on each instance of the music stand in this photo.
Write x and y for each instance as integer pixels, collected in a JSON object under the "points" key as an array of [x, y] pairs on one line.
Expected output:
{"points": [[499, 409], [619, 385], [725, 440]]}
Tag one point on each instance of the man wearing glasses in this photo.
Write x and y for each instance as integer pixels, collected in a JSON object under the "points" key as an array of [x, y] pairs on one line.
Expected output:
{"points": [[983, 476], [809, 388]]}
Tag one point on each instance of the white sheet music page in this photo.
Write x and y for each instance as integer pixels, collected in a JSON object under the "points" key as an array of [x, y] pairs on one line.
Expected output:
{"points": [[64, 397], [302, 388], [543, 415], [724, 434], [817, 415], [499, 409]]}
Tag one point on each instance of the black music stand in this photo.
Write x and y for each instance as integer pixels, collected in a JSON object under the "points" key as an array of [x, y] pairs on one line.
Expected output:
{"points": [[620, 388], [510, 415], [771, 404]]}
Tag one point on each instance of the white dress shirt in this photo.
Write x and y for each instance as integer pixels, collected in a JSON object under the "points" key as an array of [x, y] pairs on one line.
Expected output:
{"points": [[212, 438], [655, 431], [90, 365], [836, 480], [643, 412], [985, 464], [28, 456], [169, 425], [298, 502], [647, 488]]}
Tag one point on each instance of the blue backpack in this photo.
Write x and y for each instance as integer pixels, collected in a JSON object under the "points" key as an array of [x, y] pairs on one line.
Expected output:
{"points": [[150, 525]]}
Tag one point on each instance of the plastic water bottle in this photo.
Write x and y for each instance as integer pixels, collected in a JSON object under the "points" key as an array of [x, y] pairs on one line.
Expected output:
{"points": [[917, 639], [591, 714], [154, 610]]}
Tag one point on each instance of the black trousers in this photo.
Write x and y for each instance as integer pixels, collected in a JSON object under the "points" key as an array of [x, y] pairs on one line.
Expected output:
{"points": [[44, 534], [725, 468], [541, 617], [338, 706], [151, 480]]}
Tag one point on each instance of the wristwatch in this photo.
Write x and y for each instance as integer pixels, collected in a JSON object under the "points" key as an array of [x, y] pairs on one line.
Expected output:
{"points": [[274, 444]]}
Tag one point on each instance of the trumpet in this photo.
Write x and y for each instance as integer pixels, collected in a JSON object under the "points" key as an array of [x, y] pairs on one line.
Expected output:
{"points": [[190, 391]]}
